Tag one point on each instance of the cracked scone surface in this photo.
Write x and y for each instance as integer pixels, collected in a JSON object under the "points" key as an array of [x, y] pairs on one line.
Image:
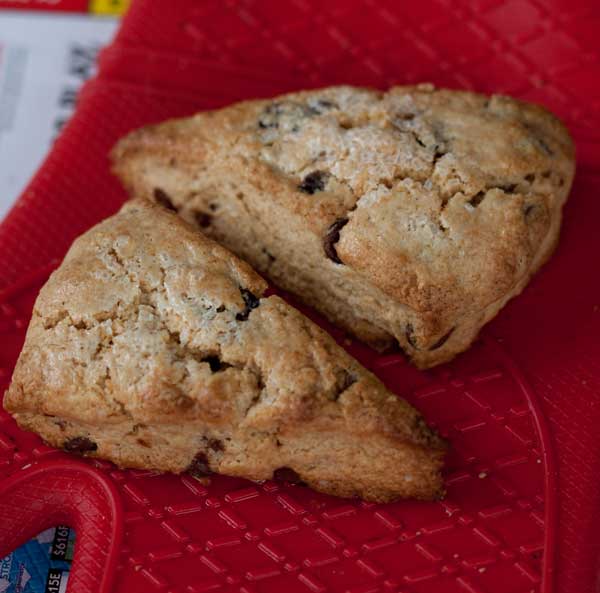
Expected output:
{"points": [[409, 216], [154, 347]]}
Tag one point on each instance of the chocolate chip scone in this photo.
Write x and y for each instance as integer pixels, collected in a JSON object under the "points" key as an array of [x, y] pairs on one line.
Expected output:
{"points": [[410, 216], [154, 347]]}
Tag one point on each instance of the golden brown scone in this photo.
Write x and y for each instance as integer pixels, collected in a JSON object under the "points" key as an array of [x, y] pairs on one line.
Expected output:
{"points": [[152, 346], [409, 216]]}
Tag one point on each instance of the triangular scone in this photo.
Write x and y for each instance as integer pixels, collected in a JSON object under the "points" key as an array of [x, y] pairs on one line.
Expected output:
{"points": [[153, 347], [409, 217]]}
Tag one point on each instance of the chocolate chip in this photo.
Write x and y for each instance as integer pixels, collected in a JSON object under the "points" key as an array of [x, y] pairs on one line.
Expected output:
{"points": [[249, 298], [545, 147], [79, 445], [321, 105], [271, 114], [287, 474], [530, 178], [345, 380], [535, 137], [220, 308], [332, 237], [216, 445], [438, 154], [251, 302], [136, 428], [509, 188], [418, 140], [288, 114], [269, 255], [409, 333], [477, 199], [143, 443], [529, 208], [269, 117], [163, 199], [326, 104], [421, 427], [405, 116], [348, 379], [199, 466], [214, 362], [314, 182], [203, 219], [442, 340]]}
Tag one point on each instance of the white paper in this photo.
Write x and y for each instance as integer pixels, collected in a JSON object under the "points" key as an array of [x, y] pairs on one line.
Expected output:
{"points": [[44, 60]]}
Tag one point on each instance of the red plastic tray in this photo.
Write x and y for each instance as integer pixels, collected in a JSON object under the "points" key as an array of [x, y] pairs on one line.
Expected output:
{"points": [[521, 408]]}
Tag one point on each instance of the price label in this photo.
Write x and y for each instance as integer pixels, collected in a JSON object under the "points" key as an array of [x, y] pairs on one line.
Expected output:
{"points": [[56, 581], [60, 544]]}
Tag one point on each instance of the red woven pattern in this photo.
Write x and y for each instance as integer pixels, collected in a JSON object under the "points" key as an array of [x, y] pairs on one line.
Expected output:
{"points": [[180, 535], [174, 58]]}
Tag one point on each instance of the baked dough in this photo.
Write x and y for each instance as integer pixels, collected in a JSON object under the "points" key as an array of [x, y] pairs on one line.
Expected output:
{"points": [[154, 347], [408, 217]]}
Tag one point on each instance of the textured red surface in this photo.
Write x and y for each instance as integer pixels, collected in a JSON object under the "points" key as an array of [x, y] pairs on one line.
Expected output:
{"points": [[521, 408]]}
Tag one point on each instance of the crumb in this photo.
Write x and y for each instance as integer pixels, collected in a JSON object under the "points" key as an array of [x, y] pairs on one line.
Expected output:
{"points": [[205, 481]]}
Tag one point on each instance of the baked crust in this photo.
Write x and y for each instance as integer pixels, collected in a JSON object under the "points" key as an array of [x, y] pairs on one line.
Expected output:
{"points": [[154, 347], [409, 216]]}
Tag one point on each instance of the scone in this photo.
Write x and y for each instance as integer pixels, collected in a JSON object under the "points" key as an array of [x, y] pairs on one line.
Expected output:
{"points": [[407, 217], [154, 347]]}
